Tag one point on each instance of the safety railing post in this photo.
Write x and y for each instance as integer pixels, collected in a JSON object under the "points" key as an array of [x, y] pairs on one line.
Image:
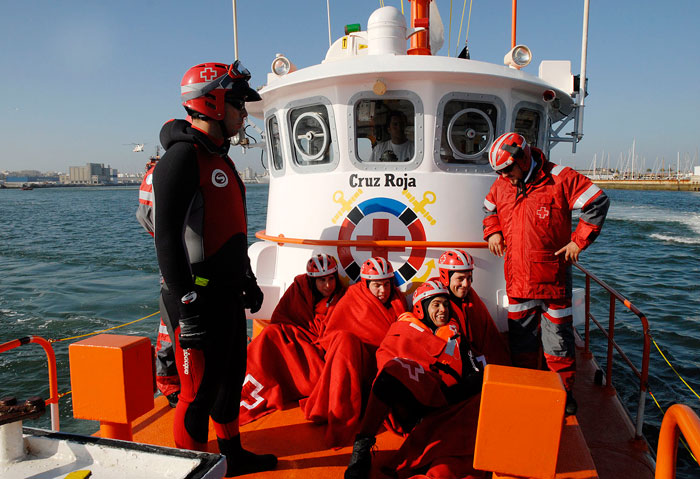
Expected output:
{"points": [[611, 341], [587, 324], [53, 376]]}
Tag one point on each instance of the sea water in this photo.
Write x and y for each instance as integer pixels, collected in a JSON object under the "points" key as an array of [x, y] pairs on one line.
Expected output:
{"points": [[75, 260]]}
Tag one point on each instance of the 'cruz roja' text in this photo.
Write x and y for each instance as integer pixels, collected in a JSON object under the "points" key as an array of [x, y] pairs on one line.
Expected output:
{"points": [[403, 182]]}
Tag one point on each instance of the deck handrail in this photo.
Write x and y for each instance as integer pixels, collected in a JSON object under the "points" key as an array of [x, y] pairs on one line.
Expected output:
{"points": [[51, 363], [282, 240], [610, 335], [679, 419]]}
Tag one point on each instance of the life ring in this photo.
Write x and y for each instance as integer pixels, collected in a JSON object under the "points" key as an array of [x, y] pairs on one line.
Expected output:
{"points": [[395, 208]]}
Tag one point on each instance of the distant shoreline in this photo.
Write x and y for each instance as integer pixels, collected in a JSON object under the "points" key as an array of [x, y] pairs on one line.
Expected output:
{"points": [[656, 185], [35, 186]]}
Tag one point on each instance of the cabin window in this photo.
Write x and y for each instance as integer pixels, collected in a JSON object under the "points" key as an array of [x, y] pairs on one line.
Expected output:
{"points": [[385, 130], [273, 135], [311, 135], [468, 129], [527, 123]]}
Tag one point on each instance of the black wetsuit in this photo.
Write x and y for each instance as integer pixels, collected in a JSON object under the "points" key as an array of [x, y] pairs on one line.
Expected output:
{"points": [[200, 236]]}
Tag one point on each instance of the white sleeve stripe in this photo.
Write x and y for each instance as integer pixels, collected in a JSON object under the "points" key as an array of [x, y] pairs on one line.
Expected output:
{"points": [[557, 169], [559, 313], [517, 308], [489, 206], [145, 195], [586, 196]]}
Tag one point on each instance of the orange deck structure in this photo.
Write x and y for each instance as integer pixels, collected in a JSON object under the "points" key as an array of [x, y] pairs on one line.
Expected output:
{"points": [[597, 442]]}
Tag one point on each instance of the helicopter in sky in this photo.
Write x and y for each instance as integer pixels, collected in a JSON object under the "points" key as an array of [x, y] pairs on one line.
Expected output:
{"points": [[137, 146]]}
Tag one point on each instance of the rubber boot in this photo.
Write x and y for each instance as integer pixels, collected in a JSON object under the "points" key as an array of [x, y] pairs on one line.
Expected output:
{"points": [[571, 406], [361, 460], [239, 461]]}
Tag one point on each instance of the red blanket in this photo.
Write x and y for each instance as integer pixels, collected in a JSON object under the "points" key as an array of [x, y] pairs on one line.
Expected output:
{"points": [[408, 351], [482, 331], [285, 360], [353, 332], [441, 446]]}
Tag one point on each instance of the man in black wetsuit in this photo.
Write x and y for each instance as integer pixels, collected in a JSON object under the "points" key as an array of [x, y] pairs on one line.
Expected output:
{"points": [[200, 236]]}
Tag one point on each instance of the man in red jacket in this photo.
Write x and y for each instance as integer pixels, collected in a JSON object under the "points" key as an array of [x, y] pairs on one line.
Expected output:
{"points": [[528, 218]]}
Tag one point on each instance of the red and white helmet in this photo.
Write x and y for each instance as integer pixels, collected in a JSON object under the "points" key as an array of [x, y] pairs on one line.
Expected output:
{"points": [[427, 290], [205, 88], [321, 265], [454, 260], [509, 148], [375, 269]]}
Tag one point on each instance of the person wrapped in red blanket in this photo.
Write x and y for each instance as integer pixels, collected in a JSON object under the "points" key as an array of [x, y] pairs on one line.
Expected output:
{"points": [[456, 269], [285, 360], [430, 379], [353, 333]]}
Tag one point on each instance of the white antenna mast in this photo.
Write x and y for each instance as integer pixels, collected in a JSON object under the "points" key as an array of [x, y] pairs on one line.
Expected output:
{"points": [[328, 8], [235, 31]]}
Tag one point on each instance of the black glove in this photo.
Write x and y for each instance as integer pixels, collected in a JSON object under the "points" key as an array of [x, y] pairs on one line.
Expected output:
{"points": [[252, 294], [192, 331]]}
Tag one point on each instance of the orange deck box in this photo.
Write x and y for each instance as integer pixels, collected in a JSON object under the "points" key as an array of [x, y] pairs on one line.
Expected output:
{"points": [[111, 377], [520, 422]]}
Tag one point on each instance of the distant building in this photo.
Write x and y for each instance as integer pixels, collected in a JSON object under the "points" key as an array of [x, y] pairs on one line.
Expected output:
{"points": [[90, 174]]}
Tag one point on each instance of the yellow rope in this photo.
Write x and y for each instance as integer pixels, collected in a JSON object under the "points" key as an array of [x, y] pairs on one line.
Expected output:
{"points": [[461, 22], [680, 437], [103, 330], [674, 369], [402, 8]]}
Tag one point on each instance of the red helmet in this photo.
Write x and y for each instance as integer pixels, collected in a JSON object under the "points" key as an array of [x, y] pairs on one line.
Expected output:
{"points": [[454, 260], [321, 265], [509, 148], [427, 291], [206, 87], [376, 269]]}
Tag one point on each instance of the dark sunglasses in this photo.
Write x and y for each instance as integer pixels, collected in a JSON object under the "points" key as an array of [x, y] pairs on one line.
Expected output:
{"points": [[237, 104], [507, 169]]}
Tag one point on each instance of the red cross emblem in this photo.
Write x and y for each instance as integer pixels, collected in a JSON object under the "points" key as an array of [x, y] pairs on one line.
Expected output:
{"points": [[543, 212], [208, 74], [380, 231]]}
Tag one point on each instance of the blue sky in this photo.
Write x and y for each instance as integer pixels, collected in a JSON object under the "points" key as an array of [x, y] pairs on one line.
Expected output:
{"points": [[83, 79]]}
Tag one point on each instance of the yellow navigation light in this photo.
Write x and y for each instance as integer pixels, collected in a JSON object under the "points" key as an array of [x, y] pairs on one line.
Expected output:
{"points": [[518, 57], [281, 65]]}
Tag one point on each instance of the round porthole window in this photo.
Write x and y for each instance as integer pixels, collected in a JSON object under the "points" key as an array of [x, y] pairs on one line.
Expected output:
{"points": [[469, 133], [311, 136]]}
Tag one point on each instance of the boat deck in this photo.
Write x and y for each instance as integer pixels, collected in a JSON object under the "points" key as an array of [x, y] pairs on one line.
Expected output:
{"points": [[601, 423]]}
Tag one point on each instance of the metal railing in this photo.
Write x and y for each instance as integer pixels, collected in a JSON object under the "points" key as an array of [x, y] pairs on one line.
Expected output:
{"points": [[643, 376], [51, 363]]}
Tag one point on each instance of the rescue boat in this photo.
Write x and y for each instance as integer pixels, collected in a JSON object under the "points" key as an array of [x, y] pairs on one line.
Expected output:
{"points": [[320, 126]]}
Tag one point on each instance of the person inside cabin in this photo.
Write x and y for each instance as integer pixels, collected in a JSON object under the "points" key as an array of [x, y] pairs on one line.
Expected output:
{"points": [[285, 360], [167, 380], [528, 219], [427, 388], [456, 268], [201, 244], [397, 147], [352, 335]]}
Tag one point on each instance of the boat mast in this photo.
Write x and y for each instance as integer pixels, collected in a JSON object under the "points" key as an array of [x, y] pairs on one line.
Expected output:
{"points": [[513, 23], [328, 8], [235, 31], [578, 127]]}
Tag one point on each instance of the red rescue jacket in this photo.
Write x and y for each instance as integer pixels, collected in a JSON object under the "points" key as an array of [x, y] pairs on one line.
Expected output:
{"points": [[535, 221]]}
